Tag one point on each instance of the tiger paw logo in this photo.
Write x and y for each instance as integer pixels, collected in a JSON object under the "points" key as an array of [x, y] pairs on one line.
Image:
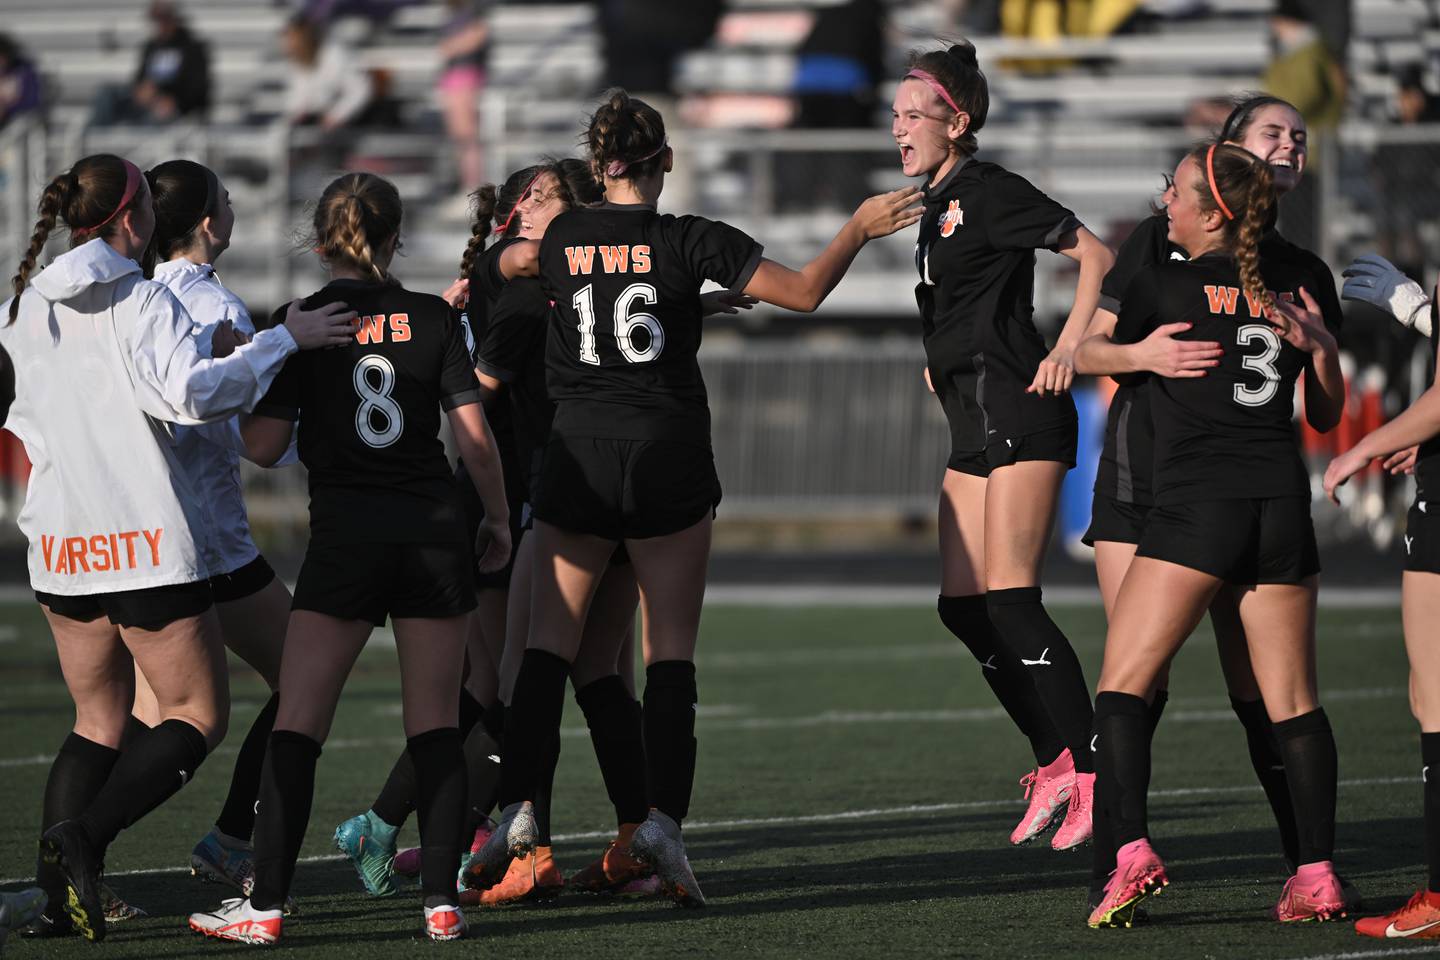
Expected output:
{"points": [[951, 218]]}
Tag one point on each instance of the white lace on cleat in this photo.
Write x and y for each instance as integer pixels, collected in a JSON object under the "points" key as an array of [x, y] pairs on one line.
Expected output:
{"points": [[445, 922], [236, 920], [657, 842]]}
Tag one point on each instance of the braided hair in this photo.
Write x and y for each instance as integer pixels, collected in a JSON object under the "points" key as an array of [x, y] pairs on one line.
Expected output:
{"points": [[1246, 189], [625, 137], [574, 184], [357, 215]]}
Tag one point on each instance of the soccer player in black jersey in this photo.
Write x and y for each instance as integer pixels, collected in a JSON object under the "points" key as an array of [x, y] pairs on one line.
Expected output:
{"points": [[1232, 508], [385, 540], [1419, 918], [628, 458], [1275, 132], [1012, 421]]}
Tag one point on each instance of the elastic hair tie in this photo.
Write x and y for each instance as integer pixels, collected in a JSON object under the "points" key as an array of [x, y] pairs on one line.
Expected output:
{"points": [[616, 168], [133, 176], [518, 200], [1210, 176], [929, 80]]}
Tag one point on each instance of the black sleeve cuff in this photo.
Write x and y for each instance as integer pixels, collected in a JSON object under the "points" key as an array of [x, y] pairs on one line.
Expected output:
{"points": [[462, 399], [276, 411], [742, 280], [1110, 303], [1071, 222], [499, 373]]}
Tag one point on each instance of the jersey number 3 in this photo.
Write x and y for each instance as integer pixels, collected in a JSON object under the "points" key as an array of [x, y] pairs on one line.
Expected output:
{"points": [[1262, 363], [379, 419], [626, 323]]}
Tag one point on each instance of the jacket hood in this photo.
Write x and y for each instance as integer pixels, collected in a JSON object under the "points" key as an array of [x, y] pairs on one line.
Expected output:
{"points": [[75, 271]]}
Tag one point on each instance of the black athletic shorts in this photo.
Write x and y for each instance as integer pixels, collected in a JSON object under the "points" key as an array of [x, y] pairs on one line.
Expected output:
{"points": [[625, 489], [1242, 542], [515, 493], [370, 581], [1055, 443], [147, 609], [1422, 538], [1115, 521], [244, 582]]}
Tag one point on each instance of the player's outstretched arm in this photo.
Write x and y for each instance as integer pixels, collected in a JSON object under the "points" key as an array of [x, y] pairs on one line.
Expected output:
{"points": [[805, 289], [482, 462], [1374, 280]]}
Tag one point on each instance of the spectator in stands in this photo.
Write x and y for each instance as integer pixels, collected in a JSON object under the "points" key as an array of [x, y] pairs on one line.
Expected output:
{"points": [[19, 82], [464, 45], [1413, 103], [644, 38], [322, 12], [172, 79], [326, 85], [1308, 69]]}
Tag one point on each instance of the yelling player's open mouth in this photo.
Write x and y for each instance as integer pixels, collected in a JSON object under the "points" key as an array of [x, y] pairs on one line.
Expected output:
{"points": [[907, 153]]}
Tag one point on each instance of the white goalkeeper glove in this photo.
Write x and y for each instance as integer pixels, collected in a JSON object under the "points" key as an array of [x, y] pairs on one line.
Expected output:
{"points": [[1374, 280]]}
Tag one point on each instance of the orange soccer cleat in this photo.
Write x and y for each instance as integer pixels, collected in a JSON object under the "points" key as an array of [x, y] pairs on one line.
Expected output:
{"points": [[534, 876], [615, 869]]}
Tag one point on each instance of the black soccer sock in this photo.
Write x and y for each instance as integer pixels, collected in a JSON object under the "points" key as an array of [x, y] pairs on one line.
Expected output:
{"points": [[669, 720], [1307, 748], [1430, 757], [1157, 709], [1104, 838], [545, 788], [77, 775], [482, 770], [532, 718], [440, 771], [1122, 765], [494, 721], [617, 731], [237, 817], [134, 727], [969, 620], [1031, 635], [396, 799], [1270, 771], [287, 788], [149, 772]]}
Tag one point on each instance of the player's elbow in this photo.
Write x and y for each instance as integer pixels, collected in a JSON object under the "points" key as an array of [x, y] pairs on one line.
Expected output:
{"points": [[1324, 417]]}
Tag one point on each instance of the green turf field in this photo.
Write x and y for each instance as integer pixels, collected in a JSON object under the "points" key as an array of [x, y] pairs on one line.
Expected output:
{"points": [[855, 792]]}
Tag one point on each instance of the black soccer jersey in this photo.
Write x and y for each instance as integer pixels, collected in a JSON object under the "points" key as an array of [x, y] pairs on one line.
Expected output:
{"points": [[512, 350], [1228, 434], [976, 257], [621, 355], [1427, 460], [369, 417]]}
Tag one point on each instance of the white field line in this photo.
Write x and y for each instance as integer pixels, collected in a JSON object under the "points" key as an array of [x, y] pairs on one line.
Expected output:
{"points": [[693, 826], [1360, 954]]}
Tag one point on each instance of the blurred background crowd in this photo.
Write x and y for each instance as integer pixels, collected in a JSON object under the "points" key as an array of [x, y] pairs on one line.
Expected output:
{"points": [[779, 112]]}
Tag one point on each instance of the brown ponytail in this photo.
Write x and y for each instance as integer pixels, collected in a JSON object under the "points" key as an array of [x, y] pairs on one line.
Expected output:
{"points": [[628, 132], [1246, 199], [357, 214], [483, 209]]}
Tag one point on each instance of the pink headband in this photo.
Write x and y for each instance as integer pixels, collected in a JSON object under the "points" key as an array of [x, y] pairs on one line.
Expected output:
{"points": [[521, 199], [929, 80], [133, 177], [617, 168], [1214, 190]]}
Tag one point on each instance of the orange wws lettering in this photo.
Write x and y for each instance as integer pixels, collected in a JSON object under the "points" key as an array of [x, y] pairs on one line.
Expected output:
{"points": [[399, 327], [75, 555], [47, 546], [616, 259], [152, 537], [372, 330], [102, 556], [1222, 299], [640, 258], [580, 259]]}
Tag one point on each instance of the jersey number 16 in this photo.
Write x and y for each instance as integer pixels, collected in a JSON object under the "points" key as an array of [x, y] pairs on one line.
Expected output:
{"points": [[626, 323]]}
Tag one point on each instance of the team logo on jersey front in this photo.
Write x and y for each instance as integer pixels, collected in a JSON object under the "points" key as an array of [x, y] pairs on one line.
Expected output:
{"points": [[952, 217]]}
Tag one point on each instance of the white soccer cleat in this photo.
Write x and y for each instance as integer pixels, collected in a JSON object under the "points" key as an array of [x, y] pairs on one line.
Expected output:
{"points": [[445, 922], [236, 920]]}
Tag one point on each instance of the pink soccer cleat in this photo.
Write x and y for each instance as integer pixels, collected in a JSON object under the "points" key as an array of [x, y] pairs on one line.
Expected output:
{"points": [[1314, 893], [1048, 789], [1139, 873], [1077, 827]]}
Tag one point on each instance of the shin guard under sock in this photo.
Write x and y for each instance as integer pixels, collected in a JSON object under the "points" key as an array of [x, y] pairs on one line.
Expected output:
{"points": [[1030, 634], [1307, 748], [482, 769], [1430, 758], [237, 817], [440, 809], [77, 775], [150, 770], [669, 721], [1104, 860], [545, 788], [1122, 765], [287, 788], [617, 732], [1270, 771], [397, 797], [532, 718], [969, 620]]}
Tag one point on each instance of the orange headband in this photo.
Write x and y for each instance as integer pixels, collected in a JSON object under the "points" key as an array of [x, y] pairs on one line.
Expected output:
{"points": [[132, 184], [929, 80], [1214, 190]]}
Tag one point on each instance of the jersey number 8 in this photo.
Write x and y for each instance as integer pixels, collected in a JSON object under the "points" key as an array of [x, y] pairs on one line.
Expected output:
{"points": [[376, 403], [1262, 363], [626, 323]]}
